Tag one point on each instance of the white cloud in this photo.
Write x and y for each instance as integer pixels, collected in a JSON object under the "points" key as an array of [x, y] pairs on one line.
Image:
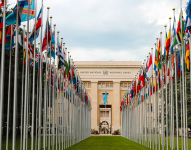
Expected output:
{"points": [[110, 29]]}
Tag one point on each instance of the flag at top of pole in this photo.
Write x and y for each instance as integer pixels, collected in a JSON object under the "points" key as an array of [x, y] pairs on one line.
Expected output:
{"points": [[150, 67], [105, 98]]}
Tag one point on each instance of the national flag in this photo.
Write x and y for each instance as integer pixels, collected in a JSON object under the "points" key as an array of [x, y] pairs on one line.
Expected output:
{"points": [[157, 56], [178, 64], [45, 36], [150, 67], [173, 66], [167, 74], [23, 12], [164, 71], [165, 52], [105, 98], [8, 38], [1, 29], [31, 62], [173, 34], [168, 44], [38, 25], [2, 3], [19, 39], [187, 57], [178, 37]]}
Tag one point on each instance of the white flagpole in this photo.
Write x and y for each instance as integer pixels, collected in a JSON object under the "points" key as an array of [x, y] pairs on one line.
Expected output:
{"points": [[62, 79], [2, 77], [8, 102], [26, 81], [22, 89], [40, 89], [34, 62], [45, 88], [155, 107], [57, 99], [166, 92], [15, 80]]}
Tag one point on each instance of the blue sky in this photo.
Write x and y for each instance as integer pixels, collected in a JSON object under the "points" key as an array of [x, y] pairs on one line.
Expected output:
{"points": [[104, 30]]}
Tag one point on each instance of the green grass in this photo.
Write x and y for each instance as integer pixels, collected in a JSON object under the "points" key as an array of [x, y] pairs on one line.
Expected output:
{"points": [[97, 143], [107, 143]]}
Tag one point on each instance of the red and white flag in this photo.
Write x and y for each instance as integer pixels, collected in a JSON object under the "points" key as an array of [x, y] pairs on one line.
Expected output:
{"points": [[150, 67]]}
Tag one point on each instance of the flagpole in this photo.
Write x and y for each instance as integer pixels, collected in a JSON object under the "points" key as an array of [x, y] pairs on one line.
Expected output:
{"points": [[152, 99], [36, 137], [8, 102], [62, 79], [32, 140], [176, 103], [57, 98], [40, 89], [22, 88], [26, 80]]}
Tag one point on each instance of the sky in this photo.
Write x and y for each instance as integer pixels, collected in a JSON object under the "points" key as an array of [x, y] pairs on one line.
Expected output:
{"points": [[110, 30]]}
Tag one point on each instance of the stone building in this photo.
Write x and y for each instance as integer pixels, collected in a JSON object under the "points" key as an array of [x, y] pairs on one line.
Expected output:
{"points": [[112, 77]]}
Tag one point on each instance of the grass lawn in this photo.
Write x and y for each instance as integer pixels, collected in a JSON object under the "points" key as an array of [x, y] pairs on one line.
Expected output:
{"points": [[107, 143], [96, 143]]}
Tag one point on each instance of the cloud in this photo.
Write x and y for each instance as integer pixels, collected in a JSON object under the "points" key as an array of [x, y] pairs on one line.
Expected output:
{"points": [[110, 29]]}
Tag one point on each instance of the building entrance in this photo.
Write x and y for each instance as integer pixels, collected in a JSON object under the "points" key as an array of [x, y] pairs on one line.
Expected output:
{"points": [[105, 122]]}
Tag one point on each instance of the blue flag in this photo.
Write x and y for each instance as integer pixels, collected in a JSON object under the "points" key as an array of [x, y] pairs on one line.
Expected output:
{"points": [[23, 13], [105, 98]]}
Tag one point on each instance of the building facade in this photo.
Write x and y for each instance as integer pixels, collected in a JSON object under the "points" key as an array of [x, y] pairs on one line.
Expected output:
{"points": [[113, 78]]}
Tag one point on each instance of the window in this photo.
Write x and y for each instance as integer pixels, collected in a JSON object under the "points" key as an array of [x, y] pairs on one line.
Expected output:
{"points": [[104, 113], [111, 85], [129, 84], [99, 85], [103, 94], [103, 85], [107, 85], [125, 85], [121, 85], [85, 85], [89, 85]]}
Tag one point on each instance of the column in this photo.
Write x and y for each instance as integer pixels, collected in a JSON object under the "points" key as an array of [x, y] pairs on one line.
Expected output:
{"points": [[95, 106], [116, 115]]}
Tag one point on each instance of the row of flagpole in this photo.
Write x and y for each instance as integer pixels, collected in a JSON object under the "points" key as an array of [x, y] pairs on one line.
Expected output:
{"points": [[57, 94], [149, 127]]}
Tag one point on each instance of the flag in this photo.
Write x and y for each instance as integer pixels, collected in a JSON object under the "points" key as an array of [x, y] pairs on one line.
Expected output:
{"points": [[105, 98], [31, 62], [157, 56], [45, 36], [164, 71], [178, 64], [173, 34], [150, 67], [19, 38], [1, 30], [165, 52], [23, 12], [38, 25], [168, 45], [173, 65], [167, 74], [178, 37], [187, 56], [2, 3], [52, 47]]}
